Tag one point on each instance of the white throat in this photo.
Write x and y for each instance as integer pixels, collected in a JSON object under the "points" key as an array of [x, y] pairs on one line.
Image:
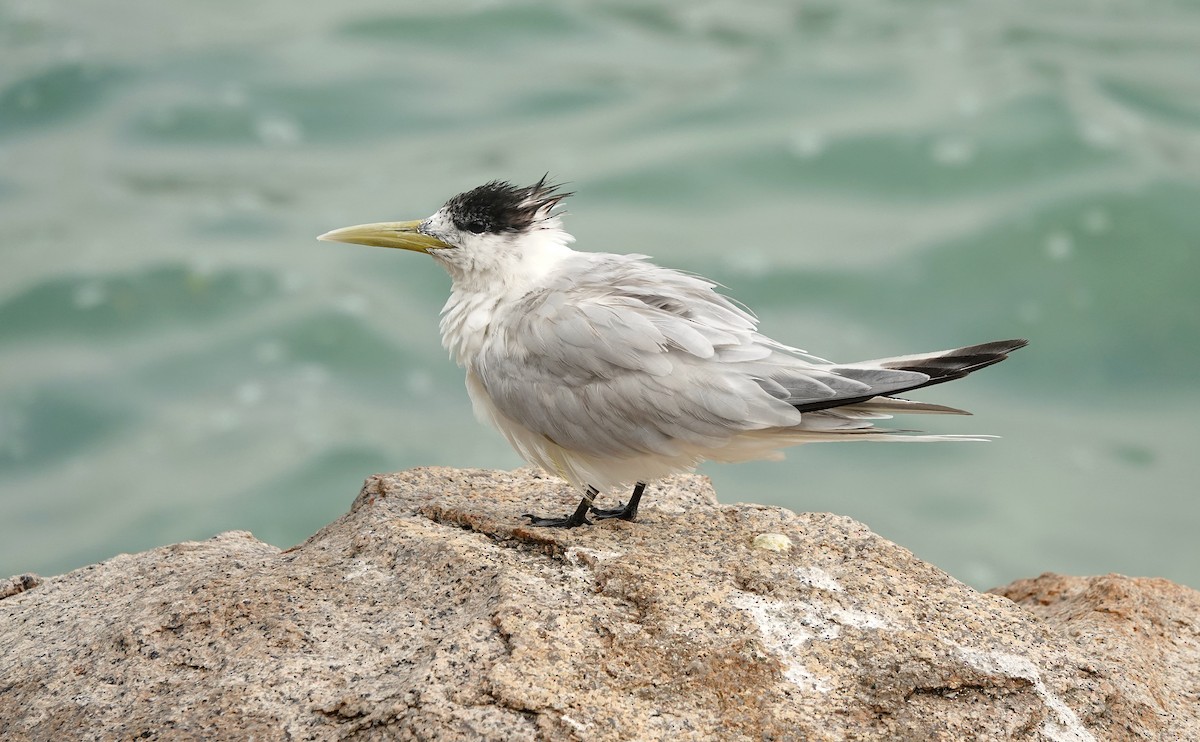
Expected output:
{"points": [[487, 284]]}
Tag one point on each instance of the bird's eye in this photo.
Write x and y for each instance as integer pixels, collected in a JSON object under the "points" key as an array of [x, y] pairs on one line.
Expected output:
{"points": [[476, 226]]}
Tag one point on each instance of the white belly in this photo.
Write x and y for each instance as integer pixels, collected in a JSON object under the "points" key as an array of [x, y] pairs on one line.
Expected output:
{"points": [[581, 470]]}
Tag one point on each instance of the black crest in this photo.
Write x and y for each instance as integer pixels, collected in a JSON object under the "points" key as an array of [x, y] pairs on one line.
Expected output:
{"points": [[500, 206]]}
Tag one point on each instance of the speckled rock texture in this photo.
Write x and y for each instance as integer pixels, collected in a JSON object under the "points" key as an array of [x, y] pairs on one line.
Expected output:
{"points": [[430, 612], [1142, 633]]}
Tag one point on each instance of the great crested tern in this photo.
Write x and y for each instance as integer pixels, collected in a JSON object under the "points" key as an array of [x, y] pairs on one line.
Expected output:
{"points": [[609, 371]]}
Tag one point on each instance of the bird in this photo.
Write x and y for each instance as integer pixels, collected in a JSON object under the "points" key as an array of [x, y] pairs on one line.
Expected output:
{"points": [[610, 372]]}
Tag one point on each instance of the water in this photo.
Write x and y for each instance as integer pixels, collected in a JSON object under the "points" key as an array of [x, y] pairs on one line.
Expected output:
{"points": [[179, 356]]}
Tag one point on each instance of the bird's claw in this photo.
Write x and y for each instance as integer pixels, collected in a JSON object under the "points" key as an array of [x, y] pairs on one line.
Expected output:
{"points": [[620, 513]]}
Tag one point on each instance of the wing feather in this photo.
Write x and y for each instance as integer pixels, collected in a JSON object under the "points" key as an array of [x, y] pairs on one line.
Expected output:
{"points": [[616, 357]]}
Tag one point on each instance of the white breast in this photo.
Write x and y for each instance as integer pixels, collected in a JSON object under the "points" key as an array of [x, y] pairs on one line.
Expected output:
{"points": [[466, 319]]}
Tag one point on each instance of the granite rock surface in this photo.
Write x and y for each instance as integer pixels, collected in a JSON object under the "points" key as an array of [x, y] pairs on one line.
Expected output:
{"points": [[430, 611]]}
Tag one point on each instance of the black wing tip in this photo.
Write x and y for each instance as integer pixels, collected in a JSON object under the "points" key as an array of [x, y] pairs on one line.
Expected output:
{"points": [[996, 346], [960, 362], [940, 368]]}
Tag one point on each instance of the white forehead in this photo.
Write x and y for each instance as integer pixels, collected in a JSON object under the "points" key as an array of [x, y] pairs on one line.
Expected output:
{"points": [[439, 223]]}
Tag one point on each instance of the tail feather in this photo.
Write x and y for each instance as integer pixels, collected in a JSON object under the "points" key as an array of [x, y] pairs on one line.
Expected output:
{"points": [[935, 368], [888, 406]]}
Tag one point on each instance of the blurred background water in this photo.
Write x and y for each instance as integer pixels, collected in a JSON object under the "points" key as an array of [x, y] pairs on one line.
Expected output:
{"points": [[179, 356]]}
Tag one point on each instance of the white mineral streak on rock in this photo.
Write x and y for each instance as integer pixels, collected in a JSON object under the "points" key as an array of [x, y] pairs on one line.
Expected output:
{"points": [[783, 636], [1068, 728], [818, 578]]}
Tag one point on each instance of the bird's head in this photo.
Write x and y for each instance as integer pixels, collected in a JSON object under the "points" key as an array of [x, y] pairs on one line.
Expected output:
{"points": [[494, 225]]}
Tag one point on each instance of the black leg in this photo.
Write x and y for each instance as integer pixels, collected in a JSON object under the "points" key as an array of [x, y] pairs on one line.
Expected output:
{"points": [[629, 512], [578, 518]]}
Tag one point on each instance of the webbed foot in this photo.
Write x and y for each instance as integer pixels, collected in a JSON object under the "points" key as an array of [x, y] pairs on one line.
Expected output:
{"points": [[628, 512], [567, 521]]}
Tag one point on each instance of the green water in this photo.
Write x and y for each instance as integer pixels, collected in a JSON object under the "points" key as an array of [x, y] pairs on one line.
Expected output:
{"points": [[179, 356]]}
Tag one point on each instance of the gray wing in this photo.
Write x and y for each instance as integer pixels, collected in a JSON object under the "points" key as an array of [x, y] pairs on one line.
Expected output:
{"points": [[618, 357]]}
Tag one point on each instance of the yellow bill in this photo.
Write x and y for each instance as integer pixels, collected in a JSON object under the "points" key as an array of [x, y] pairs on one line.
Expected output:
{"points": [[402, 235]]}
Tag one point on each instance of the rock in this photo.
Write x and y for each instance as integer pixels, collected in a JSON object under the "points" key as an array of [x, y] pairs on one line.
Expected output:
{"points": [[18, 584], [1143, 634], [430, 611]]}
